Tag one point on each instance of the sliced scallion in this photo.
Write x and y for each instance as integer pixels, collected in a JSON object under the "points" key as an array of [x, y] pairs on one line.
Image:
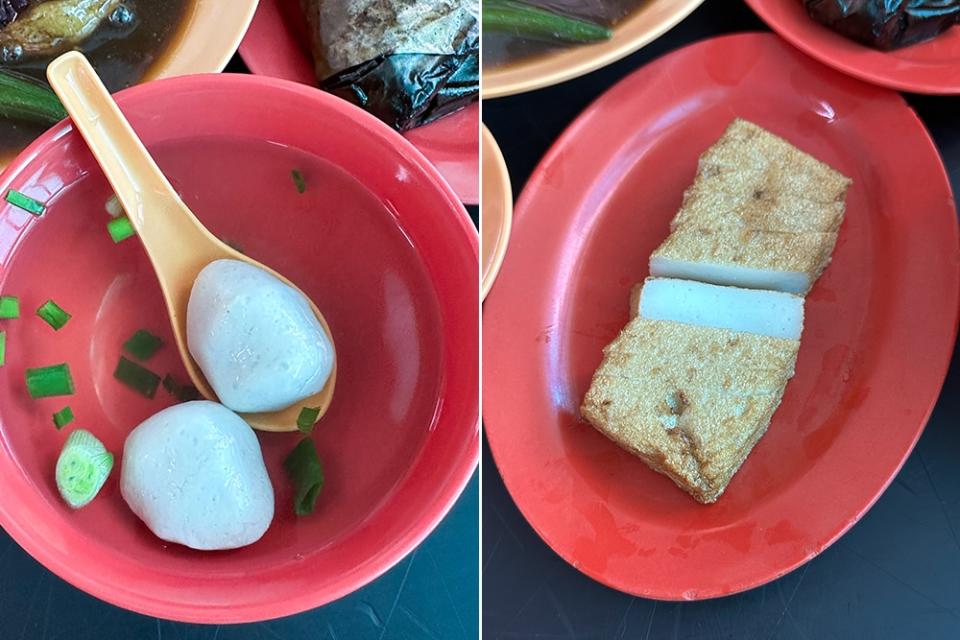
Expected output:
{"points": [[120, 229], [45, 382], [182, 392], [140, 379], [307, 418], [305, 471], [9, 307], [298, 180], [62, 418], [142, 345], [53, 314], [27, 99], [3, 347], [25, 202], [113, 206], [82, 468]]}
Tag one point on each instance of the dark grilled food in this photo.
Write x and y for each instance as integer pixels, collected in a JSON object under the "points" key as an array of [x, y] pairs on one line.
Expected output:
{"points": [[886, 24]]}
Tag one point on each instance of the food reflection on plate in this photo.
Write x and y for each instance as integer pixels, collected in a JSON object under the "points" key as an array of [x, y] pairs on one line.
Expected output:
{"points": [[122, 38]]}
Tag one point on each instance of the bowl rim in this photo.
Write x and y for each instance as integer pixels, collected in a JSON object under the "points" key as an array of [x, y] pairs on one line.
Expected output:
{"points": [[455, 480], [499, 178], [558, 66]]}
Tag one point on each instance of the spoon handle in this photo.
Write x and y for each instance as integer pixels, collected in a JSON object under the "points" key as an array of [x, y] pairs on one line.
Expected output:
{"points": [[163, 222]]}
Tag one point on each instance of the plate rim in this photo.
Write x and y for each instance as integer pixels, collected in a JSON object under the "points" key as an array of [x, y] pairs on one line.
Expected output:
{"points": [[528, 194], [498, 83], [502, 177]]}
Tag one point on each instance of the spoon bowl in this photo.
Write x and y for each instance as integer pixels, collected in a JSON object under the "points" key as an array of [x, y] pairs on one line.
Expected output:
{"points": [[178, 245]]}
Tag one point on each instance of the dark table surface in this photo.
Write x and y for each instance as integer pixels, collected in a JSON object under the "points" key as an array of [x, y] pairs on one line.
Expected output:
{"points": [[432, 594], [896, 574]]}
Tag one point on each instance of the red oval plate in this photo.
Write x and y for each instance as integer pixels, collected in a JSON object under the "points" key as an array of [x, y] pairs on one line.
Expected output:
{"points": [[378, 239], [928, 67], [879, 328], [277, 44]]}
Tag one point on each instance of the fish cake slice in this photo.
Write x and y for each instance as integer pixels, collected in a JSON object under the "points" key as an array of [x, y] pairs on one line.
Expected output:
{"points": [[690, 401], [756, 259]]}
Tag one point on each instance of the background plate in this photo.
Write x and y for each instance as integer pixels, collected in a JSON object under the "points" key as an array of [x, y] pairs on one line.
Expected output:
{"points": [[928, 67], [277, 44]]}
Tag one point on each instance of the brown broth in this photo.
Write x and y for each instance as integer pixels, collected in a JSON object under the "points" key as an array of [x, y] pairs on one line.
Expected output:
{"points": [[122, 56], [503, 48]]}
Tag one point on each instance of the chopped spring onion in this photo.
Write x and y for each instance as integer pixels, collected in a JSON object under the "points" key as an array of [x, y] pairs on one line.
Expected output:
{"points": [[113, 206], [182, 392], [82, 468], [45, 382], [304, 469], [141, 380], [27, 99], [9, 307], [3, 347], [537, 23], [26, 203], [62, 418], [120, 229], [142, 345], [307, 418], [53, 315], [298, 180]]}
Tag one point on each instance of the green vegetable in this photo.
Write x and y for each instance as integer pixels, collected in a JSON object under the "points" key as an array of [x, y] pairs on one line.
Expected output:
{"points": [[141, 380], [45, 382], [528, 21], [23, 98], [120, 229], [3, 347], [307, 418], [53, 315], [298, 180], [82, 468], [142, 345], [26, 203], [62, 418], [183, 393], [304, 469], [9, 307]]}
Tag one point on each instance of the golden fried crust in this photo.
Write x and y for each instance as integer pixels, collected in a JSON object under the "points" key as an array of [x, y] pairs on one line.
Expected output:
{"points": [[751, 178], [690, 401], [740, 247]]}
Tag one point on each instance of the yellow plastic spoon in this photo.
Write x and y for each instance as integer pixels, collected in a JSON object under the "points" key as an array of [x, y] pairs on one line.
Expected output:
{"points": [[178, 245]]}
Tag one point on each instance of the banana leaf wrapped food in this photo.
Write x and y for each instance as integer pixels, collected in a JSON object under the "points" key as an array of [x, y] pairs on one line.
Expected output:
{"points": [[408, 62], [886, 24]]}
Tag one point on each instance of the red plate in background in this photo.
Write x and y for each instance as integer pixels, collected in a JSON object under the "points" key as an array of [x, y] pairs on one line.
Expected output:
{"points": [[277, 44], [927, 67], [880, 323]]}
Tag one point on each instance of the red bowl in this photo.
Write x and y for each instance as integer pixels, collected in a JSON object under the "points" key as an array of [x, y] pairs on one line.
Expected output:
{"points": [[378, 239], [277, 44]]}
